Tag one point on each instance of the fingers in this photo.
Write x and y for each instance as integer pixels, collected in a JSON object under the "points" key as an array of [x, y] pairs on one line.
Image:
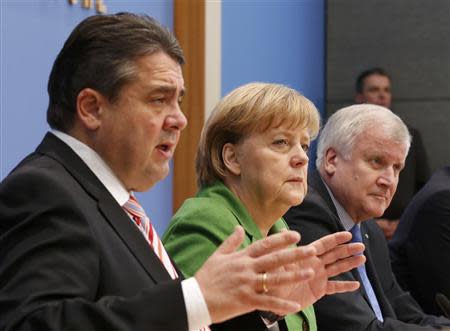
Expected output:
{"points": [[274, 280], [336, 286], [330, 241], [272, 243], [341, 252], [345, 265], [232, 242], [283, 257]]}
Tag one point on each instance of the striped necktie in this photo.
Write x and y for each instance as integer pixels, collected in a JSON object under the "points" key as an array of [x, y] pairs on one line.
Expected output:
{"points": [[137, 213], [356, 233], [140, 218]]}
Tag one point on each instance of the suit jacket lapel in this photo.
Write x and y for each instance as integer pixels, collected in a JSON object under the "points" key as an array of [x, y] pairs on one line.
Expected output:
{"points": [[133, 238], [316, 181], [108, 206]]}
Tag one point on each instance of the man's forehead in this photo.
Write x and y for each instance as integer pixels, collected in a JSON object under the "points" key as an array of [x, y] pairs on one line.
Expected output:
{"points": [[377, 142], [165, 82], [370, 78]]}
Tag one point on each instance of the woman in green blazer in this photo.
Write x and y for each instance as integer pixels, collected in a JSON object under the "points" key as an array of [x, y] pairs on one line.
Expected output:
{"points": [[252, 167]]}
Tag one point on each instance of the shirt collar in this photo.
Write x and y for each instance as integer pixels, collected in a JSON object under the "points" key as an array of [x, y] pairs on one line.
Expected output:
{"points": [[97, 166], [344, 217]]}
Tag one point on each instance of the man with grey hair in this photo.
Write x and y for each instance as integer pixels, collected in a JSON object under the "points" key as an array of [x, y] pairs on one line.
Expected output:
{"points": [[361, 151], [374, 86]]}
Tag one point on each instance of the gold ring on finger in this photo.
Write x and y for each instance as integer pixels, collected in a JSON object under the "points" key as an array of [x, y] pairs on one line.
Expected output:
{"points": [[264, 283]]}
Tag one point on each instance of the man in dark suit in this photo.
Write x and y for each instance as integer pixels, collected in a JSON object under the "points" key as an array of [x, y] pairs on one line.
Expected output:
{"points": [[374, 86], [77, 252], [361, 151], [421, 245]]}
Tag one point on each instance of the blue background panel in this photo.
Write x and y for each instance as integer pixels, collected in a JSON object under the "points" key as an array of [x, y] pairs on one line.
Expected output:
{"points": [[278, 41], [274, 41], [31, 35]]}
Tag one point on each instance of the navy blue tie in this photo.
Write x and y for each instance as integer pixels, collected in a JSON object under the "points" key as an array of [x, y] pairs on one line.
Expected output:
{"points": [[356, 233]]}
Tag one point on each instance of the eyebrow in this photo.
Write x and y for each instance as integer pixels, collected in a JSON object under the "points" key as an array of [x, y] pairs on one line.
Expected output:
{"points": [[290, 132], [167, 89]]}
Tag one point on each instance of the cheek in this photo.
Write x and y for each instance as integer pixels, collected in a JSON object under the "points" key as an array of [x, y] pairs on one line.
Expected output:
{"points": [[354, 192], [356, 177], [394, 187], [362, 176], [150, 135]]}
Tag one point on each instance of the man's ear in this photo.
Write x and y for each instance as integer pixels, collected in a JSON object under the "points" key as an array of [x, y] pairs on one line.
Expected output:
{"points": [[329, 161], [89, 108], [359, 98], [229, 156]]}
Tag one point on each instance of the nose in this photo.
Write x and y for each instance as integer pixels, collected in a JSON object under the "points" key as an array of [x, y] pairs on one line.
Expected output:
{"points": [[299, 158], [388, 178], [176, 120]]}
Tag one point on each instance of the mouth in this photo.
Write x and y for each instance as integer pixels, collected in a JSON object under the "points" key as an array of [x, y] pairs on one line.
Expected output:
{"points": [[166, 149], [163, 147], [380, 197], [295, 180]]}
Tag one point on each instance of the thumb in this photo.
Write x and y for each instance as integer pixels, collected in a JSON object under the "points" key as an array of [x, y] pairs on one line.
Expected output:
{"points": [[232, 242]]}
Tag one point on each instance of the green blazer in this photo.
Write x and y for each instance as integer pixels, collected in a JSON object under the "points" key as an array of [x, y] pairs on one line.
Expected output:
{"points": [[204, 222]]}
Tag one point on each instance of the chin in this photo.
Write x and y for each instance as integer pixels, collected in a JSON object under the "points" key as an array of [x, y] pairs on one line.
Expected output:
{"points": [[296, 200], [161, 176], [145, 184], [377, 213], [161, 171]]}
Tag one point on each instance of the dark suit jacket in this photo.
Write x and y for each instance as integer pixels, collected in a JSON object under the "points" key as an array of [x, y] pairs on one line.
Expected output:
{"points": [[420, 248], [317, 217], [71, 259]]}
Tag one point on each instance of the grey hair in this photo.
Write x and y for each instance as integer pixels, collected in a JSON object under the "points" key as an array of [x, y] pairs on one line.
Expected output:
{"points": [[344, 126]]}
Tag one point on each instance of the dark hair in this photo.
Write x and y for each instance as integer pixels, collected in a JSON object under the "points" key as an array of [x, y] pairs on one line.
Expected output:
{"points": [[359, 86], [100, 54]]}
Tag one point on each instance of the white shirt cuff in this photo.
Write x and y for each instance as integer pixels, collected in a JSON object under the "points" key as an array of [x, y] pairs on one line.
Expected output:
{"points": [[196, 308]]}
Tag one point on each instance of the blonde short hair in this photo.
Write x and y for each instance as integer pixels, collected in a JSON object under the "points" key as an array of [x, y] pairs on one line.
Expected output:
{"points": [[253, 107]]}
